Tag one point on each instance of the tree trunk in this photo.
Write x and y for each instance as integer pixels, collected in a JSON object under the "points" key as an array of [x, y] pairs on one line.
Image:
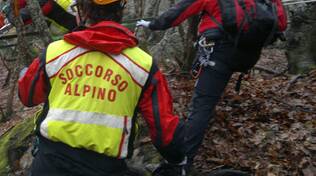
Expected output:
{"points": [[13, 144], [38, 21], [19, 56], [191, 37], [301, 36]]}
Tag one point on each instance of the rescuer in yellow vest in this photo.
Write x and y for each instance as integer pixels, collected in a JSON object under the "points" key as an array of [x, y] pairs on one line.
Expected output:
{"points": [[93, 83], [59, 13], [62, 21]]}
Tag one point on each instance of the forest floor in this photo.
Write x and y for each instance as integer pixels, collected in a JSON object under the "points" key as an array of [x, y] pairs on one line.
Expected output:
{"points": [[268, 128]]}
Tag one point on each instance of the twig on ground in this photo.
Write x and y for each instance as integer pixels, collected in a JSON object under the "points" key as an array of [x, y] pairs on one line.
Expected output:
{"points": [[260, 68], [293, 81], [294, 107], [283, 72]]}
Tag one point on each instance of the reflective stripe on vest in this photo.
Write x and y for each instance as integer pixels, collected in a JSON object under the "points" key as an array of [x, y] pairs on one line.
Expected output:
{"points": [[138, 73], [93, 97], [57, 29], [53, 66], [66, 5], [106, 127]]}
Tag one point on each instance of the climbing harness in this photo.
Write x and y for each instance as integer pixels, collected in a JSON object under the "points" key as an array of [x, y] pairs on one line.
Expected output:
{"points": [[203, 59]]}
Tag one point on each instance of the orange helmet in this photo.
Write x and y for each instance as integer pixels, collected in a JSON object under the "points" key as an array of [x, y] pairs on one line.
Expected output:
{"points": [[105, 2]]}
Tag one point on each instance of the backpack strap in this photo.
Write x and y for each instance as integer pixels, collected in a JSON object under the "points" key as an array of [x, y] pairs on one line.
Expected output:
{"points": [[275, 25], [243, 22], [221, 27]]}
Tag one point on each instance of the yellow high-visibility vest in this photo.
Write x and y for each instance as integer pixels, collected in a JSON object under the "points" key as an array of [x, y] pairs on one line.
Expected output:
{"points": [[65, 4], [93, 96]]}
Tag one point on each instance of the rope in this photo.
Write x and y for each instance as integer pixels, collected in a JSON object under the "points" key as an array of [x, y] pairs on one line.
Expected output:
{"points": [[292, 2]]}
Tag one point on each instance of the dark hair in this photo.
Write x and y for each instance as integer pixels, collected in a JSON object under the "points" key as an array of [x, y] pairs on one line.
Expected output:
{"points": [[96, 13]]}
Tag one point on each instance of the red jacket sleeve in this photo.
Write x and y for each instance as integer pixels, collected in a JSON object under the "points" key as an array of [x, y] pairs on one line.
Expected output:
{"points": [[178, 13], [33, 85], [166, 129]]}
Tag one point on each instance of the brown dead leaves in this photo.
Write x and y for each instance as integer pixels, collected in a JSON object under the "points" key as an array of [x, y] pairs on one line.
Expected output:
{"points": [[268, 129]]}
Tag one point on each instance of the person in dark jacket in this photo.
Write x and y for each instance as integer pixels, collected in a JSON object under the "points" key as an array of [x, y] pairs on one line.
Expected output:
{"points": [[217, 60], [93, 83]]}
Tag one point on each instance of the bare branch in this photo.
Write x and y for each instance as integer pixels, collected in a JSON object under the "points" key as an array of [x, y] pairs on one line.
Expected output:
{"points": [[7, 79]]}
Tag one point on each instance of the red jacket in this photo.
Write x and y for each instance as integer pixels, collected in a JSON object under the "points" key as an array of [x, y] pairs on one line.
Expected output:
{"points": [[185, 9], [155, 104], [207, 8]]}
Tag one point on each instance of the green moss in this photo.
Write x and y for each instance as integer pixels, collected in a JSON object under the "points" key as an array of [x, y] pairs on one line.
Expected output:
{"points": [[14, 138]]}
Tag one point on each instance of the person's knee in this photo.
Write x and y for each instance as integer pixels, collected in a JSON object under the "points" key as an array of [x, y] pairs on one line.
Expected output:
{"points": [[204, 102]]}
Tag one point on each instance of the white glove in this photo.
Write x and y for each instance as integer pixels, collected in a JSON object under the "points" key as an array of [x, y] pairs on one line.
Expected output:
{"points": [[143, 23]]}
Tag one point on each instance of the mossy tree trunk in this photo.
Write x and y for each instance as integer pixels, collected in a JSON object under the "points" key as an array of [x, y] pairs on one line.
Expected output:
{"points": [[301, 50], [13, 144]]}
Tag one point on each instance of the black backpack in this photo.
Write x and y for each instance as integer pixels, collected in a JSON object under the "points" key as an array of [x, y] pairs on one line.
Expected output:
{"points": [[252, 23]]}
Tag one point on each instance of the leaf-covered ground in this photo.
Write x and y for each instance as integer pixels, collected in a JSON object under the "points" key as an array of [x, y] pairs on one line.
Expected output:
{"points": [[269, 128]]}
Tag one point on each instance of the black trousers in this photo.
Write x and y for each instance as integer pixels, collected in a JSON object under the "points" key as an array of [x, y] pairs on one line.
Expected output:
{"points": [[57, 159], [210, 86], [207, 93], [208, 89]]}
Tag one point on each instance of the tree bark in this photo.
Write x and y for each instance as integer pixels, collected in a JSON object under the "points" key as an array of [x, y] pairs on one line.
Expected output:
{"points": [[38, 21], [20, 57], [139, 6], [191, 36], [301, 53]]}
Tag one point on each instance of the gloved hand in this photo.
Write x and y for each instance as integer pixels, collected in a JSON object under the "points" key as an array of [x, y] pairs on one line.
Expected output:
{"points": [[143, 23]]}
